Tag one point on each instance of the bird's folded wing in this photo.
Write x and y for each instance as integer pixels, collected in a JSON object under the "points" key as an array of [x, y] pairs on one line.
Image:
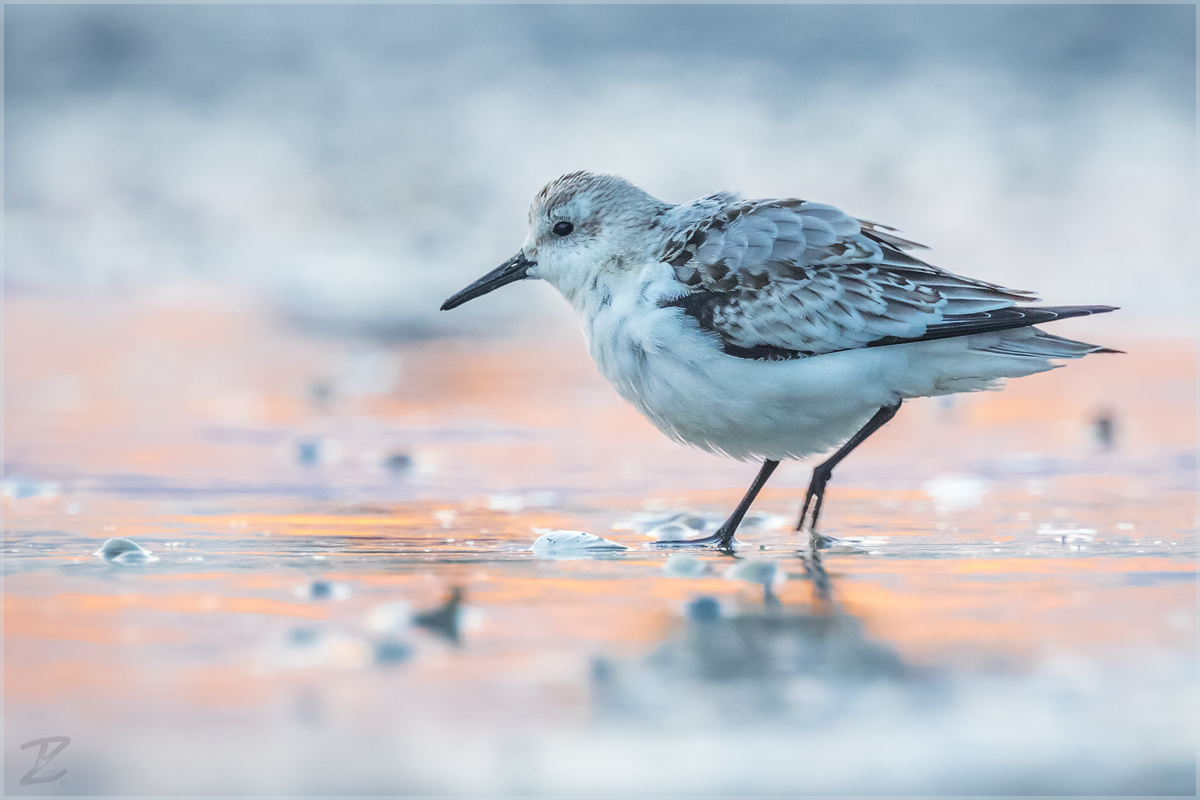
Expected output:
{"points": [[788, 278]]}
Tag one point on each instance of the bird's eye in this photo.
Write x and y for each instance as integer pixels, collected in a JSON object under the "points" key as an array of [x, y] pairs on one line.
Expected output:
{"points": [[563, 228]]}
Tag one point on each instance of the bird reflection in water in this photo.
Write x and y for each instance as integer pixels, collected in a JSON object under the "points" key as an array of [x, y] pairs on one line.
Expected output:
{"points": [[728, 661]]}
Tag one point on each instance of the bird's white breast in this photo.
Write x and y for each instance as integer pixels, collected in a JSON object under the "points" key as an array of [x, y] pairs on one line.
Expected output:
{"points": [[679, 378]]}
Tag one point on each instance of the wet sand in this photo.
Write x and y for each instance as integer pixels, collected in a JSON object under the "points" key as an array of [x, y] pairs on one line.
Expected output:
{"points": [[1013, 609]]}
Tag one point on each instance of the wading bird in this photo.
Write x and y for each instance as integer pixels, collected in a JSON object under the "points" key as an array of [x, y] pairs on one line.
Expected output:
{"points": [[769, 329]]}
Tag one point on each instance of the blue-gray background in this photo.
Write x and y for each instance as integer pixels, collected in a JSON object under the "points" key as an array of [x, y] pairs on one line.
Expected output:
{"points": [[354, 165]]}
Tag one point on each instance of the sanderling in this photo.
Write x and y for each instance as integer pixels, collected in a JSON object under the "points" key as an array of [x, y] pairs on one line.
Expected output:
{"points": [[769, 329]]}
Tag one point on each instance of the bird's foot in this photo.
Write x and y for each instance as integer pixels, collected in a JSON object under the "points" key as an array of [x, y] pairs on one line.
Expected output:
{"points": [[718, 540]]}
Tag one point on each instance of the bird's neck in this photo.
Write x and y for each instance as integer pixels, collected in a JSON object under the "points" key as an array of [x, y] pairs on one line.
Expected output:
{"points": [[591, 290]]}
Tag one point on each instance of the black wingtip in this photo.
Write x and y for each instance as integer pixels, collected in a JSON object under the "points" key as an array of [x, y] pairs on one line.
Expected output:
{"points": [[1109, 350], [1000, 319], [1066, 312]]}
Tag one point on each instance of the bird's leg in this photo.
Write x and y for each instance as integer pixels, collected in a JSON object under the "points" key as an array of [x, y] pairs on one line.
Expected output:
{"points": [[725, 533], [723, 538], [816, 496], [824, 471]]}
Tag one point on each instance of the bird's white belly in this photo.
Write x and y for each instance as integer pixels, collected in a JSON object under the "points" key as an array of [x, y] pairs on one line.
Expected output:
{"points": [[682, 382]]}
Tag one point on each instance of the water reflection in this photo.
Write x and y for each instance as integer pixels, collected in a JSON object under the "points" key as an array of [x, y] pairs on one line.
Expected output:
{"points": [[1016, 618], [445, 620], [741, 663], [630, 671]]}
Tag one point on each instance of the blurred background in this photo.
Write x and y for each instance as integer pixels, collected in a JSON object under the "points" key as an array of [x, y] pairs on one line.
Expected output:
{"points": [[227, 232], [355, 165]]}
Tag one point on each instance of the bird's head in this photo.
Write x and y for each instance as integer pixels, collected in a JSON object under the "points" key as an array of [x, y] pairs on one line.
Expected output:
{"points": [[579, 225]]}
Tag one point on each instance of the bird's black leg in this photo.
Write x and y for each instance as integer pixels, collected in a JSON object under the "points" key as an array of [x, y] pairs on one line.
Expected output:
{"points": [[725, 533], [824, 471], [723, 538]]}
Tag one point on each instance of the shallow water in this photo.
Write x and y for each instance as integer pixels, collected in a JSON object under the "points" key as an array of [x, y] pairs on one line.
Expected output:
{"points": [[342, 596]]}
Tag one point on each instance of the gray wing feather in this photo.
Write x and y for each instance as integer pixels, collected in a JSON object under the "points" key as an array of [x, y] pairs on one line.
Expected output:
{"points": [[773, 277]]}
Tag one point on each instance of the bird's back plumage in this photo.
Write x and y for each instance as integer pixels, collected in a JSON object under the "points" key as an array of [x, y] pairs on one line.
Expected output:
{"points": [[782, 279]]}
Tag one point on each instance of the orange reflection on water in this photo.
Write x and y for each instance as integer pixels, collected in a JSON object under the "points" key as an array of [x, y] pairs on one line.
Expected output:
{"points": [[83, 617], [312, 502], [1022, 608]]}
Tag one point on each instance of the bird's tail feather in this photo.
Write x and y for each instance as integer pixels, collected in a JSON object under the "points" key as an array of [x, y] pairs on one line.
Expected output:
{"points": [[1033, 343]]}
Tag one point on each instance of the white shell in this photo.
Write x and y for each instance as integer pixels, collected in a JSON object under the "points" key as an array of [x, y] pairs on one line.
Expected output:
{"points": [[567, 542], [124, 551]]}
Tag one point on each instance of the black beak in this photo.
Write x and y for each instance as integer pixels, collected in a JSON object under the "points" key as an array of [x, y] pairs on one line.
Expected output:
{"points": [[515, 269]]}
